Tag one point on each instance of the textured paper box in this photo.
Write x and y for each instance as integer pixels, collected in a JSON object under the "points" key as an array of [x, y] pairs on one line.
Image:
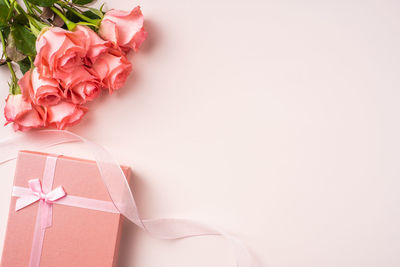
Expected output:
{"points": [[78, 236]]}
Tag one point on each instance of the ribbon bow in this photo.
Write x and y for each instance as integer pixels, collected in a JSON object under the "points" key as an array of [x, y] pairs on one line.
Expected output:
{"points": [[37, 194]]}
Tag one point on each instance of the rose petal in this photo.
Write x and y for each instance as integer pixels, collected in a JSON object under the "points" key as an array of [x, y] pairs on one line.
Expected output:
{"points": [[65, 114]]}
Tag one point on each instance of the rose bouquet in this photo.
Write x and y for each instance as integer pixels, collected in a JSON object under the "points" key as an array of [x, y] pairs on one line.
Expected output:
{"points": [[67, 52]]}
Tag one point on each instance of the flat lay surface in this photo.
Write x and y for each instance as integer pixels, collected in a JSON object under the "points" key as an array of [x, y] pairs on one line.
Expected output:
{"points": [[274, 121]]}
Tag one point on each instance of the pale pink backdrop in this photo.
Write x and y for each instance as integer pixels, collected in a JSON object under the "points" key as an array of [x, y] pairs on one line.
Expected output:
{"points": [[276, 120]]}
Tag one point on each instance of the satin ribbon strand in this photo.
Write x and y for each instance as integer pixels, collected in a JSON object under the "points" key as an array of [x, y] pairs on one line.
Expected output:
{"points": [[72, 201], [44, 217], [119, 190]]}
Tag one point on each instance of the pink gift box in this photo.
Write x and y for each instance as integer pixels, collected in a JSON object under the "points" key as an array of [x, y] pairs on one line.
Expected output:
{"points": [[77, 236]]}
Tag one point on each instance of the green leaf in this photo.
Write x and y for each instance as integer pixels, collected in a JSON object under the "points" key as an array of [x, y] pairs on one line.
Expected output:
{"points": [[88, 13], [5, 31], [11, 49], [93, 13], [3, 13], [72, 17], [21, 19], [24, 40], [82, 2], [24, 65], [44, 3]]}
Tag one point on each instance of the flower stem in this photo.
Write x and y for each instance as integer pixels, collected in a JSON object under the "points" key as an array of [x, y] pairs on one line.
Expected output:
{"points": [[36, 8], [29, 7], [93, 22], [14, 77], [37, 24], [31, 61], [70, 25], [3, 43], [10, 11], [86, 23]]}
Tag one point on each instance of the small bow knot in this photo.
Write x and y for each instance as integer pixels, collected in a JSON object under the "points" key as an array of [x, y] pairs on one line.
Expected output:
{"points": [[42, 196], [37, 194]]}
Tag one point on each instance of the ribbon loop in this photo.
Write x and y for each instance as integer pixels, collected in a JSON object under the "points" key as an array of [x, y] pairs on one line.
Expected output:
{"points": [[35, 186], [55, 195], [36, 194]]}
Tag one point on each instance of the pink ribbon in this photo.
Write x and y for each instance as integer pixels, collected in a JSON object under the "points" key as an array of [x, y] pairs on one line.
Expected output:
{"points": [[37, 194], [119, 190], [44, 215]]}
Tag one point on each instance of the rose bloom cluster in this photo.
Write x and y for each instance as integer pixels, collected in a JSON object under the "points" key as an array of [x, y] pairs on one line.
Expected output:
{"points": [[71, 68]]}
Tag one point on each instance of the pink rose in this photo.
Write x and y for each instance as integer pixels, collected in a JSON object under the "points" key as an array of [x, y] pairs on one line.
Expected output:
{"points": [[23, 115], [65, 114], [95, 45], [81, 86], [41, 90], [60, 51], [112, 70], [124, 28]]}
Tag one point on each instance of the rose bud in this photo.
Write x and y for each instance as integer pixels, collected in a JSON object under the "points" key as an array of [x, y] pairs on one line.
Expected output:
{"points": [[23, 115], [41, 90], [112, 70], [124, 28]]}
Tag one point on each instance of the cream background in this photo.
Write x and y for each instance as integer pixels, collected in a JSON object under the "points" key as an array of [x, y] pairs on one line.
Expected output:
{"points": [[277, 120]]}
